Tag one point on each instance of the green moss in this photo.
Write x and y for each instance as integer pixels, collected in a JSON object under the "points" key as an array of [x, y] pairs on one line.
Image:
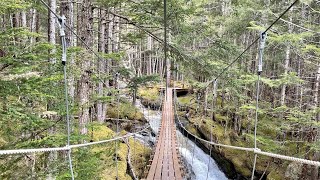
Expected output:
{"points": [[181, 84], [269, 127], [239, 163], [110, 173], [2, 141], [149, 93], [140, 155], [126, 111], [185, 100], [98, 161], [275, 175], [192, 129], [207, 125], [221, 118], [101, 132]]}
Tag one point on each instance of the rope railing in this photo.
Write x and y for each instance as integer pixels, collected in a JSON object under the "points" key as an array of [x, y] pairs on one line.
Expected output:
{"points": [[67, 148], [38, 150]]}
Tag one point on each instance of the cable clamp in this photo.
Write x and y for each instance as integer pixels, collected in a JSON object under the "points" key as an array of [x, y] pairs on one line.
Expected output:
{"points": [[67, 148], [255, 150], [62, 33], [62, 21], [263, 37]]}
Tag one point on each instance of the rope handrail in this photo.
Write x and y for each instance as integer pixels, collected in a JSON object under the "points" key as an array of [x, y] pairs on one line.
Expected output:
{"points": [[66, 148], [254, 150], [37, 150]]}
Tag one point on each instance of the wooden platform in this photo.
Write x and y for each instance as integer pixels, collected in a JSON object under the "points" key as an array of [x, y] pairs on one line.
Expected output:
{"points": [[165, 163], [178, 89]]}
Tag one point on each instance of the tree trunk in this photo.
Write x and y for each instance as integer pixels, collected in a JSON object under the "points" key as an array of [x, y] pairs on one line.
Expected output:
{"points": [[52, 29], [286, 68], [38, 26], [286, 65], [205, 101], [149, 48], [214, 99], [134, 98], [316, 92], [23, 19], [67, 9], [115, 44], [85, 21], [101, 66], [33, 13], [316, 156]]}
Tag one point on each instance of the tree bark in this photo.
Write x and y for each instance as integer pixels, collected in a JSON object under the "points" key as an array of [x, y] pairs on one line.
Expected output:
{"points": [[101, 66], [115, 43], [33, 13], [316, 92], [23, 19], [286, 64], [52, 29], [85, 21], [67, 9]]}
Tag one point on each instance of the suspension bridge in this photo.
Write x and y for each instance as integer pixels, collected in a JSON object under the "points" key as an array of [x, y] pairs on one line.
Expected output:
{"points": [[166, 162]]}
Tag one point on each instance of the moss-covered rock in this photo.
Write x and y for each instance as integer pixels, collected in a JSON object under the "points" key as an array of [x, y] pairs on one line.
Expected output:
{"points": [[140, 155], [98, 161], [149, 93], [125, 111], [150, 97], [294, 171]]}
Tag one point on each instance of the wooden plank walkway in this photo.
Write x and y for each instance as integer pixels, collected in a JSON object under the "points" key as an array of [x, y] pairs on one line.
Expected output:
{"points": [[165, 164]]}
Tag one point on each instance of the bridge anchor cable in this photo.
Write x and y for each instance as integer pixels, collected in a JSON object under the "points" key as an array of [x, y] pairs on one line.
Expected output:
{"points": [[263, 37], [62, 33]]}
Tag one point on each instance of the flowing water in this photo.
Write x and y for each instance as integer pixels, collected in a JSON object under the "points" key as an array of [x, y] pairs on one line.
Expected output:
{"points": [[197, 162]]}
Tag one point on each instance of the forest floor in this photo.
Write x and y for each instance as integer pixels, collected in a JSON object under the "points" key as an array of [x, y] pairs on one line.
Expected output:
{"points": [[103, 156]]}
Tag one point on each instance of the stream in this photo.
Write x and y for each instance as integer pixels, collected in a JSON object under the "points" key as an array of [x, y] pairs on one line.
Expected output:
{"points": [[197, 164]]}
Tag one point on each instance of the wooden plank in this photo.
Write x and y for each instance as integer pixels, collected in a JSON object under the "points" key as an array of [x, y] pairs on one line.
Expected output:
{"points": [[156, 155], [167, 160], [165, 163], [159, 166], [178, 174]]}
